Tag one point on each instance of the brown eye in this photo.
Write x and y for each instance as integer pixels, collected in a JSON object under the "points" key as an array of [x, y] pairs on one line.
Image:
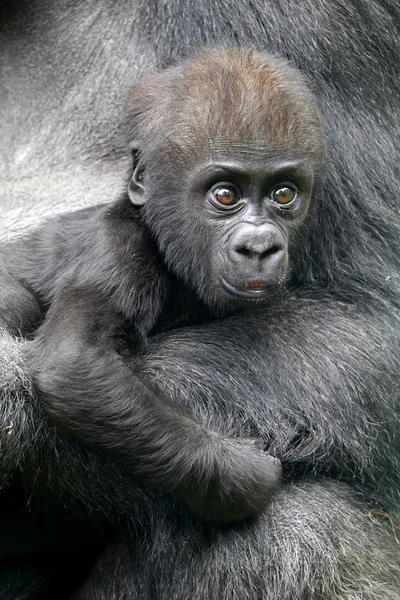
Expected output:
{"points": [[284, 194], [227, 195]]}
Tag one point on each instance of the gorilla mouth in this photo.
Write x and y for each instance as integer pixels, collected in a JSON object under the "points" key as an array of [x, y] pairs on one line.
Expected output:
{"points": [[256, 289]]}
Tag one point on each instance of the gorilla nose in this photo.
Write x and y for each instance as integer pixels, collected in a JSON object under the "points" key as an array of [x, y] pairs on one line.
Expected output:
{"points": [[256, 242]]}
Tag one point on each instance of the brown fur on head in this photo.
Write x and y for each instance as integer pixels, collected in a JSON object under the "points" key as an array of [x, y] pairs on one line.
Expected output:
{"points": [[225, 97]]}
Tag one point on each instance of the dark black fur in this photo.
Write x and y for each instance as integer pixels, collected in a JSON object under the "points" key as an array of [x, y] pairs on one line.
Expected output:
{"points": [[109, 277], [323, 362]]}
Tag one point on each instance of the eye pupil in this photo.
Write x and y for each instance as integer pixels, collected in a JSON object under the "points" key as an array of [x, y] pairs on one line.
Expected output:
{"points": [[284, 195], [226, 195]]}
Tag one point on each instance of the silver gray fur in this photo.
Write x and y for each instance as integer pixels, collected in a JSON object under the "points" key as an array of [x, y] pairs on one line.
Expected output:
{"points": [[66, 69]]}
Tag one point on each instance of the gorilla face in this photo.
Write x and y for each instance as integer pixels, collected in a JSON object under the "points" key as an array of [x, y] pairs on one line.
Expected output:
{"points": [[254, 206], [228, 190]]}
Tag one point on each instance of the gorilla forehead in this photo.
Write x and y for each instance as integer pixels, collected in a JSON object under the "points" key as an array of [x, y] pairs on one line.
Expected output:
{"points": [[235, 97], [175, 162]]}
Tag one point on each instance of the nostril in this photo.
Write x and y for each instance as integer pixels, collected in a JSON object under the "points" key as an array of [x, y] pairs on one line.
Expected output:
{"points": [[246, 252], [257, 253], [269, 252]]}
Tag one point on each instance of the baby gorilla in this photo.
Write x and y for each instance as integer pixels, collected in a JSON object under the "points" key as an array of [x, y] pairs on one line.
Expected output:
{"points": [[228, 149]]}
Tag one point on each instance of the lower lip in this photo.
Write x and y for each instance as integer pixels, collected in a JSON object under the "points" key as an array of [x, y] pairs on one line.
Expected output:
{"points": [[252, 291]]}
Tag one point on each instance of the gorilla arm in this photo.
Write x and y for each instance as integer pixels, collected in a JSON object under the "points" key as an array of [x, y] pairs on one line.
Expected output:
{"points": [[316, 378], [87, 388], [91, 393]]}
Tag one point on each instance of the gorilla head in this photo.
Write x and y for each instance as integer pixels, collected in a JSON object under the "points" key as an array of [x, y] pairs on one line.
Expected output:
{"points": [[229, 149]]}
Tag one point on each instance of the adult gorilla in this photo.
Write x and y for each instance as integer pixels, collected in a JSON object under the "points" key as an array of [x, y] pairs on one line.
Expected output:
{"points": [[316, 375]]}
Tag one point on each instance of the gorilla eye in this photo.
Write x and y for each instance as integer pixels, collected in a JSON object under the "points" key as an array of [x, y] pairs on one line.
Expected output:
{"points": [[226, 195], [284, 195]]}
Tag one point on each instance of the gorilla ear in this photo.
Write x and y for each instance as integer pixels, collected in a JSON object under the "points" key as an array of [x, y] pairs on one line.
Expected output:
{"points": [[136, 187]]}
